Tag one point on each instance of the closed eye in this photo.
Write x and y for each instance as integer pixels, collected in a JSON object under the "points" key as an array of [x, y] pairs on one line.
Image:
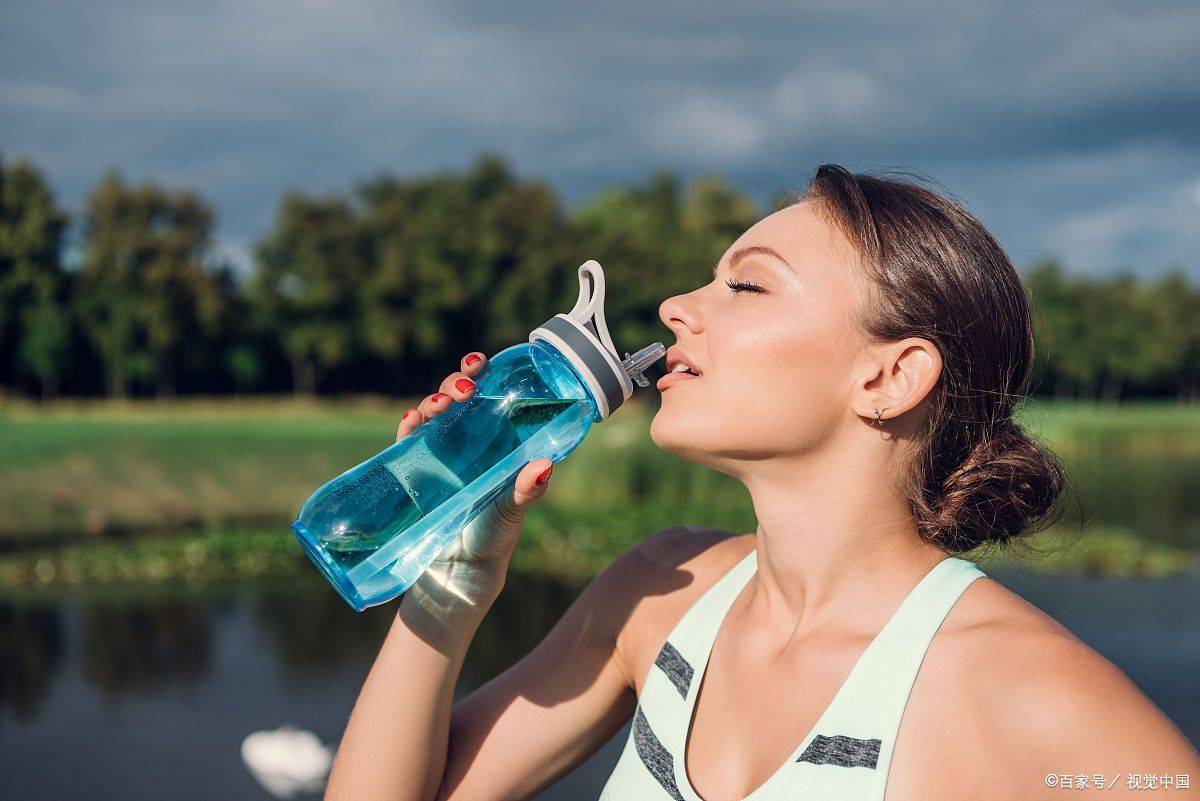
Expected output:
{"points": [[743, 286]]}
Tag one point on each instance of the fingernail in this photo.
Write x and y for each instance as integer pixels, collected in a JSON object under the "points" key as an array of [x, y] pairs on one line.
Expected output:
{"points": [[437, 396], [464, 385], [472, 358], [544, 477], [407, 413]]}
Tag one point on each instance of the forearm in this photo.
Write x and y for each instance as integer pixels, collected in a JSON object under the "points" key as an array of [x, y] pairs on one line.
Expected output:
{"points": [[396, 741]]}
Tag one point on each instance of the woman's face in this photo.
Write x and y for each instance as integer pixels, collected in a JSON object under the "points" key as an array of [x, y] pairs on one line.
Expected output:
{"points": [[775, 365]]}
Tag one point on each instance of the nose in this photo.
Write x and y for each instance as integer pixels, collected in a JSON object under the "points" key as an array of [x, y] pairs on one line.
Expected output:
{"points": [[680, 312]]}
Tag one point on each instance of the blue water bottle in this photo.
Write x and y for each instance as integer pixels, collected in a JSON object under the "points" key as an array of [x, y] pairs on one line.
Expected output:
{"points": [[374, 529]]}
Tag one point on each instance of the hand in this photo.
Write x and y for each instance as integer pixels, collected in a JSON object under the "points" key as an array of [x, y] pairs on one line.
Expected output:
{"points": [[465, 578]]}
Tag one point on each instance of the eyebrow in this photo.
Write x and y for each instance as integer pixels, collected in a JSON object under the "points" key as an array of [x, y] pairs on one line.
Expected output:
{"points": [[752, 250]]}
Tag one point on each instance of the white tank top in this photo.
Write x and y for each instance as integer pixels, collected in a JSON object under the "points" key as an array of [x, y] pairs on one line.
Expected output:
{"points": [[847, 753]]}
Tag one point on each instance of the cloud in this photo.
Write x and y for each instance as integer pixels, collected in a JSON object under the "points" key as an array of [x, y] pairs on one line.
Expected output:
{"points": [[1071, 127], [1164, 221]]}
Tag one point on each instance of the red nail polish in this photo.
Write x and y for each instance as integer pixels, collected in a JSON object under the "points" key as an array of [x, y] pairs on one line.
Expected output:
{"points": [[544, 477], [471, 359], [437, 396], [407, 413], [464, 385]]}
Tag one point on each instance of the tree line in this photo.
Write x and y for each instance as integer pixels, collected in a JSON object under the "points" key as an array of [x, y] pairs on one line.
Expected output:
{"points": [[382, 288]]}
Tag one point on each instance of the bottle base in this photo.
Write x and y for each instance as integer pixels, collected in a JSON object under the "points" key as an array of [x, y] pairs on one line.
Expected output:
{"points": [[318, 556]]}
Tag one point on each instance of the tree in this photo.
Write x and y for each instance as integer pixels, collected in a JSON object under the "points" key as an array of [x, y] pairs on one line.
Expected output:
{"points": [[656, 241], [34, 328], [146, 286], [44, 346], [308, 286], [1168, 351], [460, 261], [1055, 327]]}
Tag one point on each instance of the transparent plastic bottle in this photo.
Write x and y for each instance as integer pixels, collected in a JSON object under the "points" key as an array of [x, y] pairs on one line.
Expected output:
{"points": [[374, 529]]}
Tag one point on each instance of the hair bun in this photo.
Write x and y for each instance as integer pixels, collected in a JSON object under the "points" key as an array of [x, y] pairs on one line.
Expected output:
{"points": [[1006, 487]]}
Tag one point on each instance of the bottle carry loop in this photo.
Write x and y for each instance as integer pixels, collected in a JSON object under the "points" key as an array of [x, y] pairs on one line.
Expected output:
{"points": [[582, 336]]}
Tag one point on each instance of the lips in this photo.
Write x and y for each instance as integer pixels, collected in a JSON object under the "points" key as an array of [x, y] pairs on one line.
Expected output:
{"points": [[671, 379], [676, 357]]}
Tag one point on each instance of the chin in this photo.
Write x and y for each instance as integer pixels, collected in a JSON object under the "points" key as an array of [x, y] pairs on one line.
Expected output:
{"points": [[671, 434], [691, 439], [721, 445]]}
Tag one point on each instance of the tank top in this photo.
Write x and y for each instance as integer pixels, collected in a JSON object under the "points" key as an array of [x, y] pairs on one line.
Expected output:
{"points": [[847, 753]]}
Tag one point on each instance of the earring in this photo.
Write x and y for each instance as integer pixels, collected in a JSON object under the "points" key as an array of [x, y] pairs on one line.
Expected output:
{"points": [[878, 421]]}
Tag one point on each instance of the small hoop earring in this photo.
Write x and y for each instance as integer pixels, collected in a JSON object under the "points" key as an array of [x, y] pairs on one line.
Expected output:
{"points": [[878, 421]]}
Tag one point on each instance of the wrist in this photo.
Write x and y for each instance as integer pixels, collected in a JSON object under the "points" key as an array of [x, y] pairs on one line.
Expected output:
{"points": [[440, 616]]}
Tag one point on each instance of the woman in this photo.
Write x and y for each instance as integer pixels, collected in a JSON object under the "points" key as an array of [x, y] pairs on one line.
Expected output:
{"points": [[854, 362]]}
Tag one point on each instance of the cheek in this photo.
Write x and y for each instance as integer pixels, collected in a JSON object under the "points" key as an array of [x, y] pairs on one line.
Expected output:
{"points": [[774, 384], [781, 374]]}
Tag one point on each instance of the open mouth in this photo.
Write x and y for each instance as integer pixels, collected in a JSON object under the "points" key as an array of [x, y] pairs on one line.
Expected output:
{"points": [[680, 374]]}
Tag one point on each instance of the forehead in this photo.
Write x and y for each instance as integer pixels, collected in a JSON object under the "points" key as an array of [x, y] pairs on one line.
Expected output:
{"points": [[803, 235]]}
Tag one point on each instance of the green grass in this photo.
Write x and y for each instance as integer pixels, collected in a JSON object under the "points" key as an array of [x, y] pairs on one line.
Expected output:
{"points": [[96, 493], [84, 471], [573, 550]]}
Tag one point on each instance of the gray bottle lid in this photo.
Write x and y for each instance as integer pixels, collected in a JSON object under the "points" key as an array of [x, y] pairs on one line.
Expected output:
{"points": [[581, 335]]}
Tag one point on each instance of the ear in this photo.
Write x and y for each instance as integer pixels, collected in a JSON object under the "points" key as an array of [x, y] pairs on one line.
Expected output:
{"points": [[899, 377]]}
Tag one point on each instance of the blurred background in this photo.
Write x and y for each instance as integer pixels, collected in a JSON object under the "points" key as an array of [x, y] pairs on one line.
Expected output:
{"points": [[237, 240]]}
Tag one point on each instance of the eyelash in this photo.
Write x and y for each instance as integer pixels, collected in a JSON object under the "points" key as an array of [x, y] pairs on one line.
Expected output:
{"points": [[743, 286]]}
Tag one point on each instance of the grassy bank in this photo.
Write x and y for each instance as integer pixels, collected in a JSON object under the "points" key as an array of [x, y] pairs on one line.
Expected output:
{"points": [[202, 490], [571, 550]]}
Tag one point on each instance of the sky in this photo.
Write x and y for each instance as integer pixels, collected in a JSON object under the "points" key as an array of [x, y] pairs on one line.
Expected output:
{"points": [[1071, 129]]}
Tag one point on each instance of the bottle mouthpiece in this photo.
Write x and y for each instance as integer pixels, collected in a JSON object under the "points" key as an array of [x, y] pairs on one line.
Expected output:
{"points": [[636, 364]]}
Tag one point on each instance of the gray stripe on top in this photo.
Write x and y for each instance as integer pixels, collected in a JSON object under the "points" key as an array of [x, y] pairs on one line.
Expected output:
{"points": [[845, 752], [587, 351], [676, 667], [654, 756]]}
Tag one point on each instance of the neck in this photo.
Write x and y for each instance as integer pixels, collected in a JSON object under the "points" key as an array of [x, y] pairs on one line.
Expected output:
{"points": [[834, 541]]}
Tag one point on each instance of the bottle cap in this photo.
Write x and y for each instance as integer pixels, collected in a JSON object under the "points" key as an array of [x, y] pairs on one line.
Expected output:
{"points": [[582, 336]]}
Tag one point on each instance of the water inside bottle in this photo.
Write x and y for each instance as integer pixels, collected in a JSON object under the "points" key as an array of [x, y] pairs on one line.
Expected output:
{"points": [[382, 498]]}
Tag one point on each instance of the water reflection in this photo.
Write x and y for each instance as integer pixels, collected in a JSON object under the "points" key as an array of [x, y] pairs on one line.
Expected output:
{"points": [[145, 645], [162, 690], [309, 628], [31, 650], [1144, 480]]}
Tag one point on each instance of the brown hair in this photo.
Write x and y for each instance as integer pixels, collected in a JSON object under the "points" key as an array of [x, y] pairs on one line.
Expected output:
{"points": [[935, 272]]}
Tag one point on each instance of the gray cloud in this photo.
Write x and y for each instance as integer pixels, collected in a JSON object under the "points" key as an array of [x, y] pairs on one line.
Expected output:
{"points": [[1071, 128]]}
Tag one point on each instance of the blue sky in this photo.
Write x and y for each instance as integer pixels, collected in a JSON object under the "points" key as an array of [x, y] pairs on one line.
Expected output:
{"points": [[1071, 128]]}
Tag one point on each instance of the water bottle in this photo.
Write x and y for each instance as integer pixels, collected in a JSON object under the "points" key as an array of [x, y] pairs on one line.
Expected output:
{"points": [[373, 530]]}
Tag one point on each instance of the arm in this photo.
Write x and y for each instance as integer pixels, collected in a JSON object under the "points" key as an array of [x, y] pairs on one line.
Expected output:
{"points": [[538, 720], [511, 737], [525, 729], [1083, 716]]}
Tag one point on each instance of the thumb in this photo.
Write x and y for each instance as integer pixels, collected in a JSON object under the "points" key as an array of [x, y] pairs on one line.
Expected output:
{"points": [[530, 484], [494, 532]]}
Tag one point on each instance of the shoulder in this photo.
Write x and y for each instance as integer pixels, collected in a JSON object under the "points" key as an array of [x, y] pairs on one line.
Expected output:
{"points": [[693, 547], [1042, 701], [657, 580]]}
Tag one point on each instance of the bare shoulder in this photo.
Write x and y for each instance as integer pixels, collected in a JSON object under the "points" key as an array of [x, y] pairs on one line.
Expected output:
{"points": [[658, 579], [1035, 699]]}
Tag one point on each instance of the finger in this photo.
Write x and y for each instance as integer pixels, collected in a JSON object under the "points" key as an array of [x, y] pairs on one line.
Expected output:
{"points": [[525, 489], [410, 420], [473, 362], [458, 386], [532, 482], [434, 404]]}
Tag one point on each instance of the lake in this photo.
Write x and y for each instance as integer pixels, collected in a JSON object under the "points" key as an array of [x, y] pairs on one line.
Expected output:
{"points": [[147, 694]]}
